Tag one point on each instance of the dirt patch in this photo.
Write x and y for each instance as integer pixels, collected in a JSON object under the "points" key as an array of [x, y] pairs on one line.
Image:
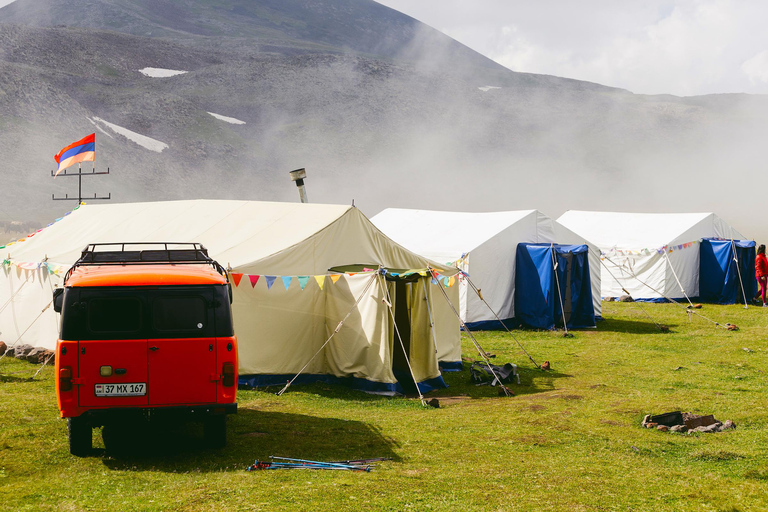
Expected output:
{"points": [[611, 423], [536, 407]]}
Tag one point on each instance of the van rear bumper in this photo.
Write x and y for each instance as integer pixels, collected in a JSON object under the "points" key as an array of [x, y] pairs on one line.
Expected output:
{"points": [[99, 417]]}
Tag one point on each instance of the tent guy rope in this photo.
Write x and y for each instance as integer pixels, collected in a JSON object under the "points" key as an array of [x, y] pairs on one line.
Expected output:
{"points": [[338, 328], [480, 295], [388, 302], [474, 341], [741, 283], [686, 308], [555, 264], [634, 303]]}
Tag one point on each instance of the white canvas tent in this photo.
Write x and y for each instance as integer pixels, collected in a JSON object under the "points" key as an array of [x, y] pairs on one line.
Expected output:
{"points": [[285, 302], [483, 245], [658, 249]]}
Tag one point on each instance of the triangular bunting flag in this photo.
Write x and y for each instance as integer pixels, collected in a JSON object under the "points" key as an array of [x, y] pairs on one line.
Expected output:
{"points": [[320, 281], [236, 278], [287, 281], [303, 280], [254, 280], [335, 277], [270, 281]]}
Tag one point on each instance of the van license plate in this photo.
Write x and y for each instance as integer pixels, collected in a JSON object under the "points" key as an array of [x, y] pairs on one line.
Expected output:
{"points": [[127, 389]]}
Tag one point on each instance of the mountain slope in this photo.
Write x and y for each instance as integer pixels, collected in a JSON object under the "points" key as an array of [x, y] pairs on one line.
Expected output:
{"points": [[376, 106]]}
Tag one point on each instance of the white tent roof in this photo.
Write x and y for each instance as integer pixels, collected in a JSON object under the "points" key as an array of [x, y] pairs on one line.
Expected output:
{"points": [[645, 230], [444, 236], [277, 328], [649, 255], [490, 239]]}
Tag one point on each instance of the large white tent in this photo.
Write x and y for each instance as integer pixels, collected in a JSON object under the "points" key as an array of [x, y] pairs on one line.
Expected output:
{"points": [[286, 302], [483, 245], [650, 255]]}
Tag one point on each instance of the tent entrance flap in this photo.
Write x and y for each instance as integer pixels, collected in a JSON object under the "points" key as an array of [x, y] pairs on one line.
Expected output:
{"points": [[400, 367], [539, 293], [718, 272]]}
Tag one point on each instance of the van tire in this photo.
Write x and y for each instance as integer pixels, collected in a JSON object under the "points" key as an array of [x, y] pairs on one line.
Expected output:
{"points": [[80, 436], [215, 431]]}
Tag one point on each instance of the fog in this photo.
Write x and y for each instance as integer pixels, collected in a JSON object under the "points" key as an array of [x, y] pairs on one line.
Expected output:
{"points": [[415, 131]]}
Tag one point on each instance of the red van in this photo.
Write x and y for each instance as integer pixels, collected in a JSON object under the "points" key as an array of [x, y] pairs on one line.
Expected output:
{"points": [[146, 333]]}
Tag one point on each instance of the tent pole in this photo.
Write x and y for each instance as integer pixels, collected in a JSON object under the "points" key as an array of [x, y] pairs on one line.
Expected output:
{"points": [[28, 328], [559, 294], [477, 291], [741, 283], [630, 295], [388, 303], [469, 333], [338, 328], [686, 308], [666, 255]]}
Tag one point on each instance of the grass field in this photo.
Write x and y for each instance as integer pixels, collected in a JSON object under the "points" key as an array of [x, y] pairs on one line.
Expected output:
{"points": [[569, 440]]}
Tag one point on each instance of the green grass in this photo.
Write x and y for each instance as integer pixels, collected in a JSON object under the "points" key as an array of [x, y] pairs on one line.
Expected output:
{"points": [[569, 440]]}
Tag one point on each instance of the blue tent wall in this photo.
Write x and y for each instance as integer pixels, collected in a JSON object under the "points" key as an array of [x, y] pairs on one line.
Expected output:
{"points": [[536, 300], [718, 275]]}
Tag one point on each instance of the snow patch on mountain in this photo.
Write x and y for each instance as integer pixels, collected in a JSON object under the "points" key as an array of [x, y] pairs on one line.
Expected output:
{"points": [[226, 119], [142, 140], [160, 72]]}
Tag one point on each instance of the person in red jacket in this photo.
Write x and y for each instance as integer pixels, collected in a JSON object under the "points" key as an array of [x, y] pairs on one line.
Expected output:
{"points": [[761, 271]]}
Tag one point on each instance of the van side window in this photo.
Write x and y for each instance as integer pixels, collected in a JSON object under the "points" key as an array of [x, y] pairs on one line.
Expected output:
{"points": [[113, 315], [180, 314]]}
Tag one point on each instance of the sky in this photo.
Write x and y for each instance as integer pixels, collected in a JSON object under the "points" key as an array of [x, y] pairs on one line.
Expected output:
{"points": [[680, 47]]}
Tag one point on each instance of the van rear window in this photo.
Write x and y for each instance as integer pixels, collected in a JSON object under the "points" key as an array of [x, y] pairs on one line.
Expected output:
{"points": [[179, 314], [118, 314]]}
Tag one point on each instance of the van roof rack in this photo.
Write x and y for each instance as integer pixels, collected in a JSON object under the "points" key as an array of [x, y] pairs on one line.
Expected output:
{"points": [[145, 253]]}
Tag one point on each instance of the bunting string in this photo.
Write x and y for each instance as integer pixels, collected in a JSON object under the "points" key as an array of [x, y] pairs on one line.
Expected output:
{"points": [[666, 249], [24, 239], [321, 280]]}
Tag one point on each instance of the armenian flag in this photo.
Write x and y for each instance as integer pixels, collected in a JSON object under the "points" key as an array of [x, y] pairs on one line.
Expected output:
{"points": [[83, 150]]}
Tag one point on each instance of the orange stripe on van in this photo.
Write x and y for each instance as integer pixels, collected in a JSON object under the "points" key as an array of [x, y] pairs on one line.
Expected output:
{"points": [[144, 275]]}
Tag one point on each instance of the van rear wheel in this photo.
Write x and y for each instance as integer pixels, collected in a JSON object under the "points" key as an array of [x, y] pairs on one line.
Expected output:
{"points": [[80, 436], [215, 431]]}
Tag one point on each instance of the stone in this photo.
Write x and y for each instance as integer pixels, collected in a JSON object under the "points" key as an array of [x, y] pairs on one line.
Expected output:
{"points": [[646, 419], [11, 352], [728, 425], [669, 419], [708, 429], [3, 347], [40, 355], [693, 421], [32, 356], [22, 351], [626, 298], [545, 365], [662, 428], [679, 428], [650, 424]]}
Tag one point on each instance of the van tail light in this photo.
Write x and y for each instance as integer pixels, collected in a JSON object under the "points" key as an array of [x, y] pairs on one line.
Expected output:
{"points": [[65, 378], [228, 375]]}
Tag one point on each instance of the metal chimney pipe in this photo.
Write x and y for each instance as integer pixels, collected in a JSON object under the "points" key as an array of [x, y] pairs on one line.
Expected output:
{"points": [[298, 176]]}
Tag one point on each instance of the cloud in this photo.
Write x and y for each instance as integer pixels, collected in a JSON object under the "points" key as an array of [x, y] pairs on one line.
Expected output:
{"points": [[682, 47], [756, 68]]}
